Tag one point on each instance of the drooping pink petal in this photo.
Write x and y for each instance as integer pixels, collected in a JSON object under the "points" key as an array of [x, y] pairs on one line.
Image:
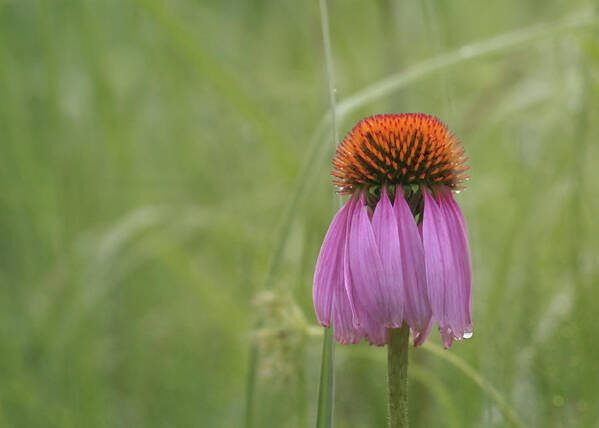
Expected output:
{"points": [[460, 307], [384, 225], [417, 308], [447, 336], [347, 276], [365, 266], [421, 336], [438, 259], [447, 265], [375, 333], [345, 330], [328, 274]]}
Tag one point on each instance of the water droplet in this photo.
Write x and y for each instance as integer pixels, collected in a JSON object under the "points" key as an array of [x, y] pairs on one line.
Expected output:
{"points": [[467, 335]]}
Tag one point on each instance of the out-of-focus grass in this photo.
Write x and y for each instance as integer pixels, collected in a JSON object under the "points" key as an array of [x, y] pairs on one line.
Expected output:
{"points": [[142, 192]]}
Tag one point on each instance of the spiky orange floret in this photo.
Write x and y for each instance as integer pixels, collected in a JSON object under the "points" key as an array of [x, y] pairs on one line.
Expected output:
{"points": [[409, 148]]}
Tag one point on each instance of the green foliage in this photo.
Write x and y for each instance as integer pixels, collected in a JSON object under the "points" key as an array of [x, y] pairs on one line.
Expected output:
{"points": [[163, 160]]}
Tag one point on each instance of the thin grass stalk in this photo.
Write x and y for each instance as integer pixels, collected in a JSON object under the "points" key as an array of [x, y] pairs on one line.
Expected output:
{"points": [[326, 386], [326, 37], [326, 390]]}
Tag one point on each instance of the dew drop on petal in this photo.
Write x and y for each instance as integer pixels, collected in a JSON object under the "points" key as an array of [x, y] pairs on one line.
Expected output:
{"points": [[467, 335]]}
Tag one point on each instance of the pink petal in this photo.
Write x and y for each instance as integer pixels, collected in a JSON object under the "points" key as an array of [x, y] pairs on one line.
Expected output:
{"points": [[328, 274], [417, 308], [461, 300], [447, 336], [384, 225], [365, 266], [346, 332], [347, 276], [447, 265], [374, 332], [421, 336], [435, 239]]}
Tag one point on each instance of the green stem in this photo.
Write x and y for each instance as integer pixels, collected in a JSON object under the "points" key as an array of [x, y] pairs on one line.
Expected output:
{"points": [[397, 376]]}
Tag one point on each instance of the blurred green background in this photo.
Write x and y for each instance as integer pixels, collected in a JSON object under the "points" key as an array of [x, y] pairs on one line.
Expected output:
{"points": [[161, 169]]}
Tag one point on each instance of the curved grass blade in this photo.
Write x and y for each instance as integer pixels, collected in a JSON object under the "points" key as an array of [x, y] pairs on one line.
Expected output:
{"points": [[503, 42], [507, 410]]}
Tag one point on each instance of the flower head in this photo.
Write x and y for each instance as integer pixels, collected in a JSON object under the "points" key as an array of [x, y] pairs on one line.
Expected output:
{"points": [[397, 251], [399, 149]]}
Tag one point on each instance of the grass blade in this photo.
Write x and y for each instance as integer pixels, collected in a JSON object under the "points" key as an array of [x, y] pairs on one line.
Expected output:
{"points": [[326, 388], [474, 50]]}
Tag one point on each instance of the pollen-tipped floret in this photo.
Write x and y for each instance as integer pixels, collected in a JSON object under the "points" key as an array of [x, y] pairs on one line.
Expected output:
{"points": [[409, 148]]}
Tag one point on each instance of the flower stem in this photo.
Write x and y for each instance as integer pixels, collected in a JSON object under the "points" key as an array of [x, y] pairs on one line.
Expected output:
{"points": [[397, 376]]}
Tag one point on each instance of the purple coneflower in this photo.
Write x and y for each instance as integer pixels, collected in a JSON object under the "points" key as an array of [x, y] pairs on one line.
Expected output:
{"points": [[397, 251]]}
